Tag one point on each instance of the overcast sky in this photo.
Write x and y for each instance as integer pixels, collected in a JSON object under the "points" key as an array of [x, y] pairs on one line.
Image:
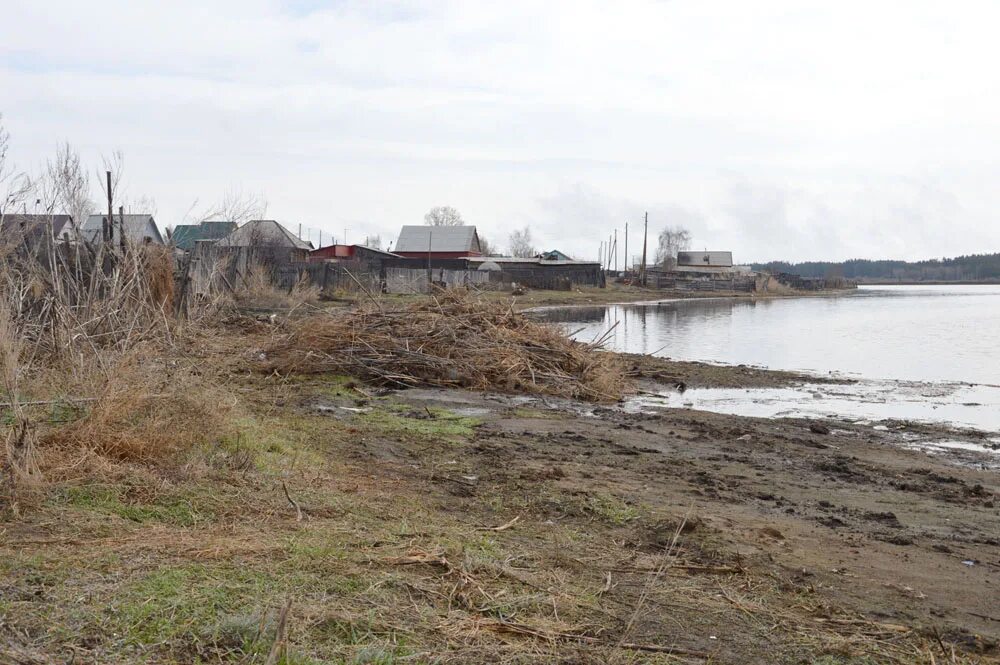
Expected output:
{"points": [[777, 129]]}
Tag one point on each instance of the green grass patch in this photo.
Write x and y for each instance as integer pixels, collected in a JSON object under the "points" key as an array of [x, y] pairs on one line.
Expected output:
{"points": [[611, 509], [177, 510], [195, 602], [430, 424]]}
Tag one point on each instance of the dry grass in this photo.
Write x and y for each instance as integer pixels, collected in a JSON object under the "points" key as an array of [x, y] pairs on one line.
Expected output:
{"points": [[89, 366], [257, 289], [144, 411], [455, 339]]}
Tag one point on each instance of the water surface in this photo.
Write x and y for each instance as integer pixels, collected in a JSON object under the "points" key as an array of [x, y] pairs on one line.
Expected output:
{"points": [[927, 353], [919, 333]]}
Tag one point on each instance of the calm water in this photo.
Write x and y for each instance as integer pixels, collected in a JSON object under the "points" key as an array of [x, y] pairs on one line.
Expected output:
{"points": [[927, 353], [920, 333]]}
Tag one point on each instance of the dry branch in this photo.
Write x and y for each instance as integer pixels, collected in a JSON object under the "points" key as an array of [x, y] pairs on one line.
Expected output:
{"points": [[455, 340]]}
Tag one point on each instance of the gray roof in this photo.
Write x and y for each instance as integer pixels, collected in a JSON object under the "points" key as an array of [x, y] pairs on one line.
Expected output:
{"points": [[264, 233], [32, 225], [437, 239], [705, 259], [138, 228]]}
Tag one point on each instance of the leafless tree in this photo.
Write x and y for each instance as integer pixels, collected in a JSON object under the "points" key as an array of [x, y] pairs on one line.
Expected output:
{"points": [[115, 163], [15, 186], [520, 243], [69, 185], [487, 248], [236, 205], [444, 216], [672, 239]]}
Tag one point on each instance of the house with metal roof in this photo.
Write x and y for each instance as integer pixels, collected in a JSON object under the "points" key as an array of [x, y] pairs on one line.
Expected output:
{"points": [[555, 255], [138, 228], [705, 260], [263, 233], [438, 242], [184, 236]]}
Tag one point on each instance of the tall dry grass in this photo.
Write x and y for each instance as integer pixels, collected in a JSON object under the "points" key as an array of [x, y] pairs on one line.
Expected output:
{"points": [[257, 289], [89, 364]]}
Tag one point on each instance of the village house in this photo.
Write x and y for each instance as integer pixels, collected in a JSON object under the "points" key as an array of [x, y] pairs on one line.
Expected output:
{"points": [[704, 261], [438, 242], [32, 228], [349, 253], [138, 228], [184, 236]]}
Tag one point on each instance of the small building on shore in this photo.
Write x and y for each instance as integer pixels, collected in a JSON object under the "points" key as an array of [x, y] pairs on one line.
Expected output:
{"points": [[704, 261]]}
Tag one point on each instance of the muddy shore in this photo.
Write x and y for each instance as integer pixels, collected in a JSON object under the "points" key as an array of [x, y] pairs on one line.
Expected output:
{"points": [[846, 511]]}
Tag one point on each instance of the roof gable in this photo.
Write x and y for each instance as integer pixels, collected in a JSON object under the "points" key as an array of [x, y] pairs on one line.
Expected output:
{"points": [[185, 236], [138, 227], [265, 233], [437, 239], [32, 225]]}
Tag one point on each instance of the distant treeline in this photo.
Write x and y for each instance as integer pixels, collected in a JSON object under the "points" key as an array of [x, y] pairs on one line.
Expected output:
{"points": [[974, 268]]}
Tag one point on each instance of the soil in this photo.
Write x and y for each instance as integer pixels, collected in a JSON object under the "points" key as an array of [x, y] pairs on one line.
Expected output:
{"points": [[890, 534]]}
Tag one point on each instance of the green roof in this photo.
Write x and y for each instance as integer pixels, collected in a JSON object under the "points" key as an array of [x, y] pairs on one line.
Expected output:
{"points": [[185, 235]]}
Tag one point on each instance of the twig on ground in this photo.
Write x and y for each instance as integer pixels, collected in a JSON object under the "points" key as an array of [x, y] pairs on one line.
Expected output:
{"points": [[502, 527], [280, 646], [295, 504]]}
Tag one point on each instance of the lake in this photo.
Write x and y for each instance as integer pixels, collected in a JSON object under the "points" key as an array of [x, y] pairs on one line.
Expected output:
{"points": [[916, 349]]}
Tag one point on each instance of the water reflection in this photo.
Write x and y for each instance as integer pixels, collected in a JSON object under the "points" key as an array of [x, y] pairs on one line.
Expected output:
{"points": [[917, 333]]}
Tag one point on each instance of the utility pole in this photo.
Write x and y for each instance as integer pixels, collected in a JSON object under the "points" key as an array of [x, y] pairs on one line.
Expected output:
{"points": [[107, 228], [645, 234], [626, 247], [616, 250], [430, 244]]}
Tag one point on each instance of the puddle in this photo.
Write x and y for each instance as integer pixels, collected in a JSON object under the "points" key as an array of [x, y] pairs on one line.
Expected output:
{"points": [[865, 403]]}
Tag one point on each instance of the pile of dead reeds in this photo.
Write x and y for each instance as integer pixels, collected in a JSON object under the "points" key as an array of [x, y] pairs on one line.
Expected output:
{"points": [[455, 339]]}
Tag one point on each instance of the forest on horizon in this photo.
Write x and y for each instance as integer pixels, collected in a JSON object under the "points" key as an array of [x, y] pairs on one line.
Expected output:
{"points": [[971, 268]]}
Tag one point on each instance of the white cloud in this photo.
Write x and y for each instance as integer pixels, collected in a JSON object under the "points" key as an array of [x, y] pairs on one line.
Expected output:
{"points": [[779, 128]]}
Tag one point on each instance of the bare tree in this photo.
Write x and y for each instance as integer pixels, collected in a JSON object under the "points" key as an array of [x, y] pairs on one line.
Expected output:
{"points": [[672, 239], [486, 248], [520, 243], [15, 186], [236, 205], [444, 216], [69, 185]]}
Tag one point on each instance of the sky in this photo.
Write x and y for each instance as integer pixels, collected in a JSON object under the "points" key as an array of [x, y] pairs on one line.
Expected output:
{"points": [[778, 129]]}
